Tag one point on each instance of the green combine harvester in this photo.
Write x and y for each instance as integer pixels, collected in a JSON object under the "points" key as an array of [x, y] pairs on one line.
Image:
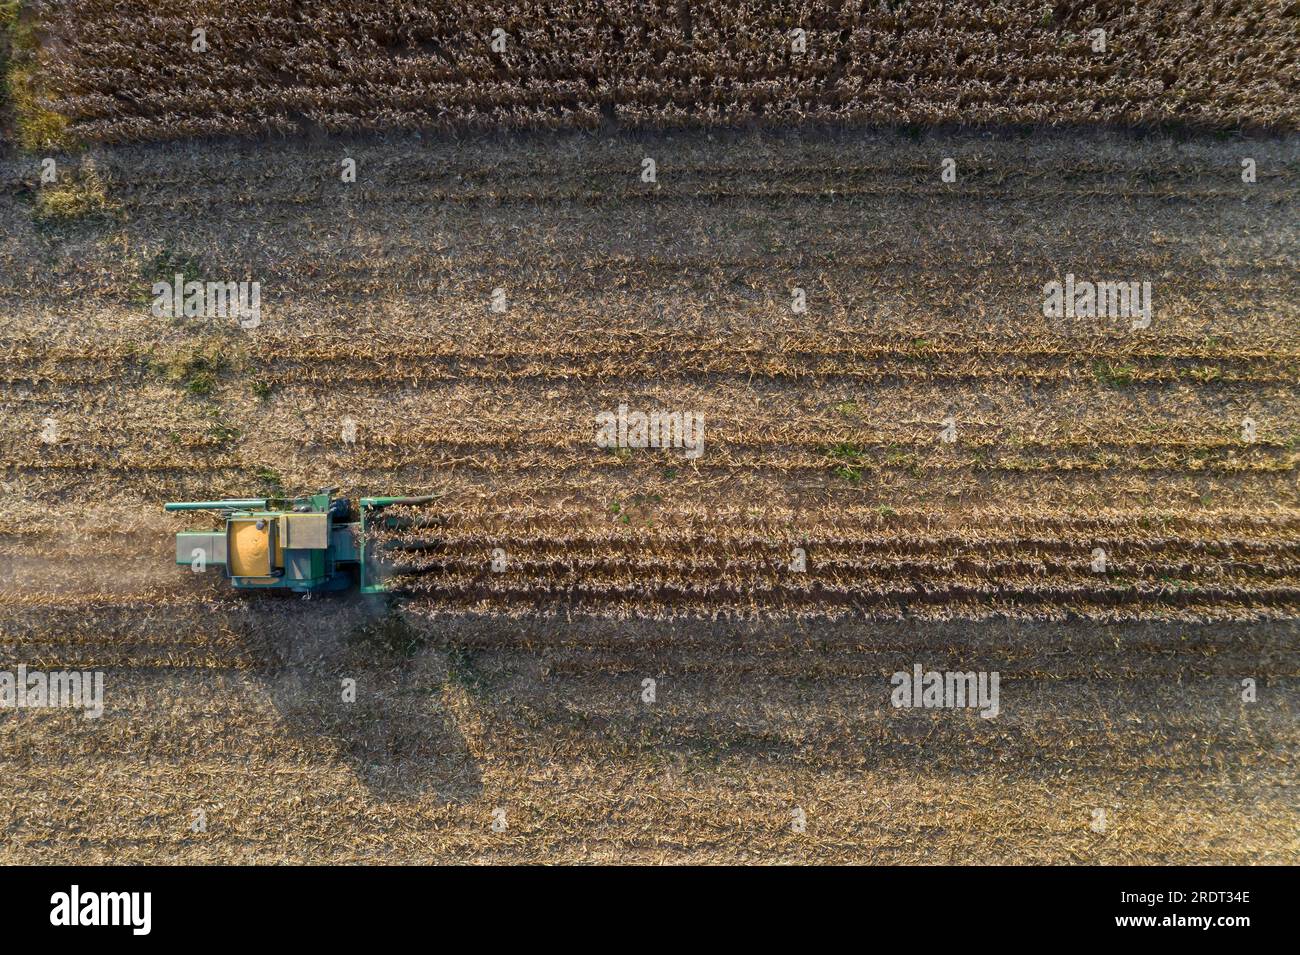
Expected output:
{"points": [[302, 545]]}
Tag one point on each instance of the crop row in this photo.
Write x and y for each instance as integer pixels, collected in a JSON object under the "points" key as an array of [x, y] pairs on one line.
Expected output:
{"points": [[127, 69]]}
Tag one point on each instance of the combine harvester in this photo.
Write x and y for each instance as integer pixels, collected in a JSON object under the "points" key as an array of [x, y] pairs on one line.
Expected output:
{"points": [[302, 545]]}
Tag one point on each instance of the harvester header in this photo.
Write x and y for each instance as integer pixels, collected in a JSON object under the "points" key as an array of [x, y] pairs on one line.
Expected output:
{"points": [[305, 544]]}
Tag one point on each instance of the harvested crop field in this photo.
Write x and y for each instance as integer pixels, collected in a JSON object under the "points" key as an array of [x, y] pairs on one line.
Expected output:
{"points": [[946, 460]]}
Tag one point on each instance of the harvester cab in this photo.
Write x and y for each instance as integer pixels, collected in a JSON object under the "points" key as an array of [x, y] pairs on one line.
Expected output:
{"points": [[308, 544]]}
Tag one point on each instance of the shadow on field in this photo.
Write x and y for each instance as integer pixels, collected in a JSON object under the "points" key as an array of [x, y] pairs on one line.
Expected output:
{"points": [[366, 681]]}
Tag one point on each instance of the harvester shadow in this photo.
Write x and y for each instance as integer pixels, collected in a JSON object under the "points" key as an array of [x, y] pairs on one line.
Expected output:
{"points": [[356, 673]]}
